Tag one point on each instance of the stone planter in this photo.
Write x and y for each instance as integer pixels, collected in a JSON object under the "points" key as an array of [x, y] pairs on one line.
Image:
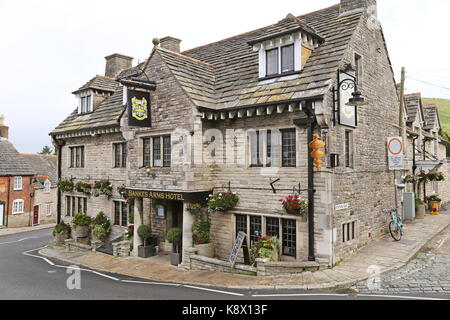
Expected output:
{"points": [[420, 213], [146, 252], [175, 258], [81, 231], [205, 250], [61, 237]]}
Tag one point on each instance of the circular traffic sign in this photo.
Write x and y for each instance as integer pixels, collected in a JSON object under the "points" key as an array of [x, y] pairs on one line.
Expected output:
{"points": [[395, 146]]}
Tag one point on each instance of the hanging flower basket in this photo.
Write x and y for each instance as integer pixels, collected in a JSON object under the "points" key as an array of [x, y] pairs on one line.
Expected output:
{"points": [[65, 185], [294, 205], [83, 188], [223, 201], [103, 187], [194, 208]]}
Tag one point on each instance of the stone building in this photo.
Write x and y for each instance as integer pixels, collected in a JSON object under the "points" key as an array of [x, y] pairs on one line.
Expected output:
{"points": [[238, 114], [45, 187], [430, 154]]}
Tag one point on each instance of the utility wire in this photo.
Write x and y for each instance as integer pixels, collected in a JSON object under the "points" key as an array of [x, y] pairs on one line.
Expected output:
{"points": [[428, 83]]}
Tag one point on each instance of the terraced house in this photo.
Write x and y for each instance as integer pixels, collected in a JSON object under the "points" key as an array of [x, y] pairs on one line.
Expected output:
{"points": [[238, 114]]}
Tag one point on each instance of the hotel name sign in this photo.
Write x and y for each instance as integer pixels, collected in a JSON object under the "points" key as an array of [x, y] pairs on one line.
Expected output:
{"points": [[188, 196]]}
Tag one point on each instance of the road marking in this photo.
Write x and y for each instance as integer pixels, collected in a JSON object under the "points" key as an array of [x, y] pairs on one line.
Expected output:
{"points": [[398, 297], [301, 295], [104, 275], [154, 283], [212, 290], [20, 240]]}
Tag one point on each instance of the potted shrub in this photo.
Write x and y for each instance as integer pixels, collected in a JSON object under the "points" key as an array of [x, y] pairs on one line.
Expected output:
{"points": [[61, 232], [294, 205], [101, 227], [81, 223], [223, 201], [175, 237], [267, 247], [200, 233], [145, 251], [420, 209]]}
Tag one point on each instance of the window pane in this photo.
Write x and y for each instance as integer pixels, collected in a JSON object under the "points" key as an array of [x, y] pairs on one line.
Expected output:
{"points": [[82, 157], [288, 148], [116, 213], [88, 104], [68, 202], [241, 223], [272, 62], [289, 237], [287, 58], [273, 226], [124, 155], [255, 229], [117, 155], [157, 152], [124, 214], [167, 151], [256, 147], [348, 151], [146, 152]]}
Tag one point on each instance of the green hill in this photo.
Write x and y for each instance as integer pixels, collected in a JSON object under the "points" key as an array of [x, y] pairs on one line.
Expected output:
{"points": [[444, 111]]}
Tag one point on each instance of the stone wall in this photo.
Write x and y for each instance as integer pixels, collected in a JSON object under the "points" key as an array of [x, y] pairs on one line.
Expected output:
{"points": [[367, 186], [43, 199], [99, 165]]}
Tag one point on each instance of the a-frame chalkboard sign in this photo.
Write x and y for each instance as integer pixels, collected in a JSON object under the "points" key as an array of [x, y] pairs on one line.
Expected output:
{"points": [[241, 242]]}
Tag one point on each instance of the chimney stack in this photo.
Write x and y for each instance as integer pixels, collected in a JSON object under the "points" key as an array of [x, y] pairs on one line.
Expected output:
{"points": [[170, 43], [353, 6], [116, 63], [4, 130]]}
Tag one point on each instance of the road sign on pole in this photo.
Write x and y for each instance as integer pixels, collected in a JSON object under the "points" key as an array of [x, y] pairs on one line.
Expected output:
{"points": [[395, 153]]}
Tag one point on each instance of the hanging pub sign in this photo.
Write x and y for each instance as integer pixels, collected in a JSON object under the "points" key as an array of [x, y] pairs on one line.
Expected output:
{"points": [[347, 114], [139, 114]]}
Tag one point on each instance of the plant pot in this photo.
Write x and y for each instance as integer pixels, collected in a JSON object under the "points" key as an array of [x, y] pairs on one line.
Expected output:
{"points": [[175, 258], [95, 238], [205, 250], [420, 213], [146, 252], [61, 237], [81, 231], [293, 212]]}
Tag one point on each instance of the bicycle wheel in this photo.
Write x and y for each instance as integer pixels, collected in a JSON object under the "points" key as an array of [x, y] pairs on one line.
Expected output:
{"points": [[395, 231]]}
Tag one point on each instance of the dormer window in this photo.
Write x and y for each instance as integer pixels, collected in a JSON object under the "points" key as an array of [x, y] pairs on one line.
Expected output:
{"points": [[85, 104], [285, 48]]}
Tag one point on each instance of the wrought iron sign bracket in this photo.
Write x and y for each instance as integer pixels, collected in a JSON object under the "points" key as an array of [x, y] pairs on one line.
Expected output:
{"points": [[348, 83]]}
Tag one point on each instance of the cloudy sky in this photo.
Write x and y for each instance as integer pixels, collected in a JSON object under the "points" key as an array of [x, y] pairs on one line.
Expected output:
{"points": [[49, 48]]}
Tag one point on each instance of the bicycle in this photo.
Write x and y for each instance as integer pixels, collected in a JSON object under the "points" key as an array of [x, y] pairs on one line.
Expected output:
{"points": [[395, 225]]}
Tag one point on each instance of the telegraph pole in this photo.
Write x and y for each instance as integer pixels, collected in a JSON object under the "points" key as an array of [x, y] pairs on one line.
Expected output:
{"points": [[402, 128]]}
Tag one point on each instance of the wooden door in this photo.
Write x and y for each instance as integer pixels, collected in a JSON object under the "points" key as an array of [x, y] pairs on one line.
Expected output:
{"points": [[36, 216]]}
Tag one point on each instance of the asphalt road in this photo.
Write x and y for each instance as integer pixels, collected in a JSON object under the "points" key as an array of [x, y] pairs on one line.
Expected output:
{"points": [[26, 275]]}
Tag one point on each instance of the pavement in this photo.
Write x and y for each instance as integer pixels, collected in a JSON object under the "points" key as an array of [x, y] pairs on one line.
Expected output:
{"points": [[383, 256], [8, 231]]}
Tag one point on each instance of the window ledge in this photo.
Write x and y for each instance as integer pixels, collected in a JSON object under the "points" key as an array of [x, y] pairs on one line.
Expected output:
{"points": [[17, 213], [279, 75]]}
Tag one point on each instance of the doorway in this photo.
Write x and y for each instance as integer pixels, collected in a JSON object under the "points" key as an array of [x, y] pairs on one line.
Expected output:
{"points": [[177, 214], [2, 214], [36, 215]]}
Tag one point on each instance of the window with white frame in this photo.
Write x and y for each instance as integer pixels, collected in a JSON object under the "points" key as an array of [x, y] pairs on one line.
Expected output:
{"points": [[18, 183], [85, 104], [278, 57], [18, 206], [47, 186], [48, 209]]}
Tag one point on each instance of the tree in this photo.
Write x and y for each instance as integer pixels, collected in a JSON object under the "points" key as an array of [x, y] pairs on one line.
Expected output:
{"points": [[46, 150], [446, 136]]}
